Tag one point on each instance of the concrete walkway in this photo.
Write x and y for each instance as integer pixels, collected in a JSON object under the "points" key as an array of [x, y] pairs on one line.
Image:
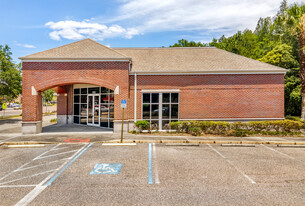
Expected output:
{"points": [[10, 133]]}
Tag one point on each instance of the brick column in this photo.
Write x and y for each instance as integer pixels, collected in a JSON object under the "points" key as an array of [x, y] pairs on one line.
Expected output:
{"points": [[62, 108], [32, 113], [64, 105]]}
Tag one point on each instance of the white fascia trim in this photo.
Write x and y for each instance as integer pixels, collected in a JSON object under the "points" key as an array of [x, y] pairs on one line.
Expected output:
{"points": [[160, 90], [233, 119], [210, 73], [79, 60]]}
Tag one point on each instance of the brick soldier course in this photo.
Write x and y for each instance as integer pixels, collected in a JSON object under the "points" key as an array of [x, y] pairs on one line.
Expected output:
{"points": [[212, 84]]}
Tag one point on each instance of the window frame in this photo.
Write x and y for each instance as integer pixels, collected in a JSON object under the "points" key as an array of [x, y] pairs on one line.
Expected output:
{"points": [[160, 107]]}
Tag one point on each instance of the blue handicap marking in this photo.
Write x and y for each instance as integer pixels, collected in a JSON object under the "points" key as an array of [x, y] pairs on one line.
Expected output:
{"points": [[106, 168], [123, 101]]}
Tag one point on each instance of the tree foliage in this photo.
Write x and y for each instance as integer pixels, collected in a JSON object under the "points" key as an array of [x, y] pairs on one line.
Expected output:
{"points": [[48, 95], [275, 40], [10, 73]]}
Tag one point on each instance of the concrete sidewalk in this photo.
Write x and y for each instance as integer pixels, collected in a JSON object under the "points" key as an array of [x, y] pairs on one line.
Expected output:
{"points": [[107, 136]]}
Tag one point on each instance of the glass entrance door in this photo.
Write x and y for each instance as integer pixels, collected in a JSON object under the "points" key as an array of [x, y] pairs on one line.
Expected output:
{"points": [[93, 110]]}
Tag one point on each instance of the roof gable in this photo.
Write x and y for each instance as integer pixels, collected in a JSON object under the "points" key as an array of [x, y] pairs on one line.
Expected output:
{"points": [[83, 49]]}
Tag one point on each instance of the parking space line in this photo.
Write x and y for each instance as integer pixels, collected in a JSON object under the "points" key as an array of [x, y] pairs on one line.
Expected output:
{"points": [[47, 163], [22, 178], [150, 175], [5, 176], [31, 196], [274, 150], [157, 180], [73, 145], [11, 186], [46, 151], [236, 168], [40, 187], [2, 141], [56, 154], [64, 168]]}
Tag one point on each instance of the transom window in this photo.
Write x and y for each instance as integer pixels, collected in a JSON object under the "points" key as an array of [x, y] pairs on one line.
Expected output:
{"points": [[152, 112]]}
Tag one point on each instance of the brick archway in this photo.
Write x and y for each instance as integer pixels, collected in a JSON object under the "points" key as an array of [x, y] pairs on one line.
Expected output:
{"points": [[39, 76], [41, 86]]}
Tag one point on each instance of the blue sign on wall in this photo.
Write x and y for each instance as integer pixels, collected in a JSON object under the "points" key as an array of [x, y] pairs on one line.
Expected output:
{"points": [[106, 168]]}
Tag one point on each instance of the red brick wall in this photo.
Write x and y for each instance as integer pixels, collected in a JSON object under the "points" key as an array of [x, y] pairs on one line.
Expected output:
{"points": [[45, 75], [218, 96], [201, 96]]}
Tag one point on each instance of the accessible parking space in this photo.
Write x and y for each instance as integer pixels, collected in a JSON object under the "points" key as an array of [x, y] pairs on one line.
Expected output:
{"points": [[154, 174]]}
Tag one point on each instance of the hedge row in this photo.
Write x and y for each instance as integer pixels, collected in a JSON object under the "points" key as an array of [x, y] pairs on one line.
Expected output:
{"points": [[279, 127]]}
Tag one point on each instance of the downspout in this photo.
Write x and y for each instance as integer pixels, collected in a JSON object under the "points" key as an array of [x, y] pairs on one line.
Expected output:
{"points": [[135, 97]]}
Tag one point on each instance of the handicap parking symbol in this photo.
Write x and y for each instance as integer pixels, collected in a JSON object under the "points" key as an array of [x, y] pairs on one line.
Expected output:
{"points": [[106, 168]]}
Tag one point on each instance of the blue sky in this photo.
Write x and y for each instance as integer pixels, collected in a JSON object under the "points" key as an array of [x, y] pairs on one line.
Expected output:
{"points": [[35, 25]]}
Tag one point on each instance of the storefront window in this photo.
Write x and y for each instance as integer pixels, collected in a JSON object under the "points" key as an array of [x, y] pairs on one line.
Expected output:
{"points": [[99, 112], [151, 109]]}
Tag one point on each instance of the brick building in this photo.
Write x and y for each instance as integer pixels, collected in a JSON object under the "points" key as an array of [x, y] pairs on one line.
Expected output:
{"points": [[187, 83]]}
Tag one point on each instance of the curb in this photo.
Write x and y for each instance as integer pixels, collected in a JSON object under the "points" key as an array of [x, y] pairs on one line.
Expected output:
{"points": [[169, 141], [27, 143]]}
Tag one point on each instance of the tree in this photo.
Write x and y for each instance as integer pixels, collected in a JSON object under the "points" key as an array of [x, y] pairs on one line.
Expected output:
{"points": [[281, 56], [48, 95], [10, 73], [185, 43]]}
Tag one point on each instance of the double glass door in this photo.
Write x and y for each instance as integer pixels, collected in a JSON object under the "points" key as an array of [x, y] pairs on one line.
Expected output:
{"points": [[93, 110]]}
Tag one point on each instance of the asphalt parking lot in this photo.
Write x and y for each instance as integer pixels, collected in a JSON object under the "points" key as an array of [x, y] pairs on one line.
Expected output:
{"points": [[152, 174]]}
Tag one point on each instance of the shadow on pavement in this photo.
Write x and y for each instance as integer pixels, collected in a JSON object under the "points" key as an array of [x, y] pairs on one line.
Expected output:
{"points": [[73, 128]]}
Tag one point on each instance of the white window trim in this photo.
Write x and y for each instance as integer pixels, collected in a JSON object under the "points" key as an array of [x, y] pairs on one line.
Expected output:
{"points": [[160, 104]]}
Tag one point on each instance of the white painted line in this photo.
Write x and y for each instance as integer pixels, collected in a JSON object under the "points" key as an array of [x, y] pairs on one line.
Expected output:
{"points": [[2, 141], [31, 196], [46, 152], [66, 147], [47, 163], [56, 154], [157, 180], [25, 145], [63, 165], [39, 188], [22, 178], [119, 144], [238, 145], [216, 151], [5, 176], [274, 150], [4, 186], [228, 161]]}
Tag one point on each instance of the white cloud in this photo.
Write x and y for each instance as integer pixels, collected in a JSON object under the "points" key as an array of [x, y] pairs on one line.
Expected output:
{"points": [[25, 45], [194, 15], [76, 30], [134, 17]]}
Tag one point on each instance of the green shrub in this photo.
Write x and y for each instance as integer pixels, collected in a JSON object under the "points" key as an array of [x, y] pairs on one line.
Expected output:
{"points": [[239, 125], [142, 125], [175, 126], [294, 118], [196, 131], [185, 126], [290, 125], [240, 129], [53, 120], [241, 133]]}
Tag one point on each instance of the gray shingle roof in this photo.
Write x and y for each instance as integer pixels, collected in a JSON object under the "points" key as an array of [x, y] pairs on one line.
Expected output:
{"points": [[83, 49], [192, 60], [158, 60]]}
